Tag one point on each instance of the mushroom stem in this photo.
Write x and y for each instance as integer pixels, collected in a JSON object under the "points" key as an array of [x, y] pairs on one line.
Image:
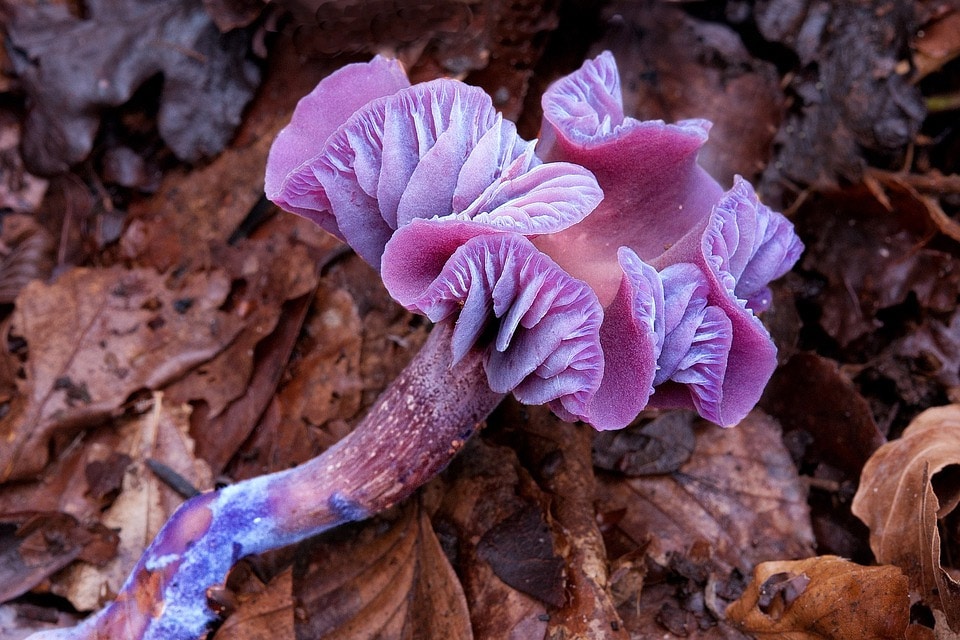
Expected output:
{"points": [[411, 433]]}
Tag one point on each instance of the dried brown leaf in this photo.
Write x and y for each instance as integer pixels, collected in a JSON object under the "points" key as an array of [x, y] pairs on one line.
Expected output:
{"points": [[810, 394], [272, 280], [387, 578], [937, 43], [823, 598], [266, 614], [736, 502], [906, 488], [145, 502], [873, 259], [488, 485], [92, 339], [558, 455], [26, 254], [34, 545]]}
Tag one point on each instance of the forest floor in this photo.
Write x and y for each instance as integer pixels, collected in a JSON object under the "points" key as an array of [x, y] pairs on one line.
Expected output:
{"points": [[163, 323]]}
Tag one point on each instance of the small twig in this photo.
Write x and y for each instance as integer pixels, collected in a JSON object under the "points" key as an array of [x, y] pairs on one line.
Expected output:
{"points": [[172, 479]]}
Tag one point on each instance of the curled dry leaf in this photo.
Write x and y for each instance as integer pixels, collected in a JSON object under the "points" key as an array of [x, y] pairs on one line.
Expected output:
{"points": [[823, 598], [906, 487], [386, 578], [91, 339]]}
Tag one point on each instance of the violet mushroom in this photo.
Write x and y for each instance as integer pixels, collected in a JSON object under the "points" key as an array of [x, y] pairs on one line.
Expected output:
{"points": [[470, 227]]}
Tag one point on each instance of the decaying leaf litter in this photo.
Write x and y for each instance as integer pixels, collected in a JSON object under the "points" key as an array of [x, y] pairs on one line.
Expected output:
{"points": [[159, 312]]}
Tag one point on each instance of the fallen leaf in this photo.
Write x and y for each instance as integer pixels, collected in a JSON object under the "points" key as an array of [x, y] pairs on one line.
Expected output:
{"points": [[558, 456], [520, 550], [515, 37], [26, 254], [811, 395], [937, 43], [387, 578], [486, 486], [35, 545], [872, 259], [144, 503], [267, 614], [823, 598], [95, 336], [20, 191], [272, 280], [907, 488], [74, 68], [690, 535], [656, 447], [925, 364], [455, 31]]}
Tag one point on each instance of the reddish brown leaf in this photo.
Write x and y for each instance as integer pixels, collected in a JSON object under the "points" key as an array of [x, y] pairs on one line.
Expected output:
{"points": [[907, 488], [937, 43], [873, 258], [386, 579], [736, 502], [35, 545], [266, 614], [823, 598], [272, 280], [520, 551], [96, 336], [812, 395], [487, 486], [559, 457]]}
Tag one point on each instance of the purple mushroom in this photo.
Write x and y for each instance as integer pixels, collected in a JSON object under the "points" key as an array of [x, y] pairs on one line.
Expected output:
{"points": [[601, 272]]}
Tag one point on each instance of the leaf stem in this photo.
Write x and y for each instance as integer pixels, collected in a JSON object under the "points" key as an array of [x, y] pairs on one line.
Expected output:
{"points": [[411, 433]]}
